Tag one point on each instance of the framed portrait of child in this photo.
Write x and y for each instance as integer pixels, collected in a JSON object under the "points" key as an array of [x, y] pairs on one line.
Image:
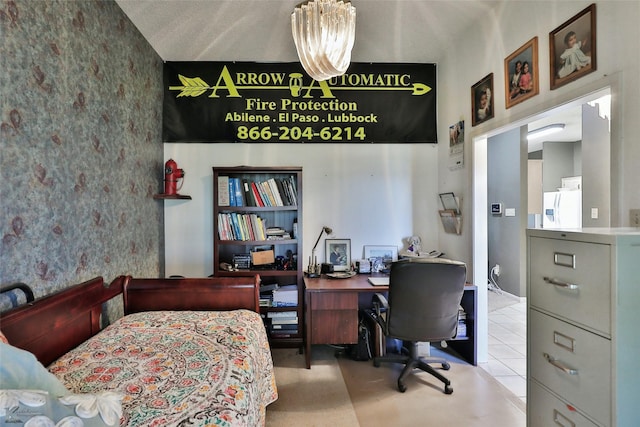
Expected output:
{"points": [[572, 47], [482, 100], [521, 74]]}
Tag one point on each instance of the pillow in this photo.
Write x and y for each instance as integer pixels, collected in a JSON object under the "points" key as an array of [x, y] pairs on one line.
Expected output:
{"points": [[21, 370], [3, 338]]}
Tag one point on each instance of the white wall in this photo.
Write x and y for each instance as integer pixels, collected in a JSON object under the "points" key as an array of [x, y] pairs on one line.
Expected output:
{"points": [[482, 51], [360, 205], [372, 194]]}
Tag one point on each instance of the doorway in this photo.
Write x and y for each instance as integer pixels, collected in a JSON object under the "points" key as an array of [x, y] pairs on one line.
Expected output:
{"points": [[480, 204]]}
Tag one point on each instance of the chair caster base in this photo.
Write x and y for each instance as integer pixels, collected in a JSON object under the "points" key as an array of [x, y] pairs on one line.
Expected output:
{"points": [[448, 389]]}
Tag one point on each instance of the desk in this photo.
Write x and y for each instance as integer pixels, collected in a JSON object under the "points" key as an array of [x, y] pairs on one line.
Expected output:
{"points": [[332, 309], [331, 313]]}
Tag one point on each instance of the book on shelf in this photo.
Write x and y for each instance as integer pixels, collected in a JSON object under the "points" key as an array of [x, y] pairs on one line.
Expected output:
{"points": [[288, 327], [238, 193], [268, 287], [274, 314], [283, 333], [275, 192], [256, 195], [223, 190], [284, 320], [248, 194]]}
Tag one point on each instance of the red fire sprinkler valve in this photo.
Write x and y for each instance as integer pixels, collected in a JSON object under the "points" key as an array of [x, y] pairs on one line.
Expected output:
{"points": [[171, 176]]}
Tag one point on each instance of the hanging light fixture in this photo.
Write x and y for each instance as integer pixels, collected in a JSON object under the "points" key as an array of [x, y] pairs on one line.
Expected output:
{"points": [[545, 131], [324, 33]]}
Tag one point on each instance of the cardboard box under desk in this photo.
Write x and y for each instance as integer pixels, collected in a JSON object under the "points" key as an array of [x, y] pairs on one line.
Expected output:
{"points": [[262, 257]]}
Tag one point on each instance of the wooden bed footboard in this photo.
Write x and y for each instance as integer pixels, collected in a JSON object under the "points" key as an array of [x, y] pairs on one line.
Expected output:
{"points": [[51, 326], [213, 293]]}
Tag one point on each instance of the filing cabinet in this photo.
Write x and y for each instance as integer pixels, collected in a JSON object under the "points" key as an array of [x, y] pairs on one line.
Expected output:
{"points": [[583, 344]]}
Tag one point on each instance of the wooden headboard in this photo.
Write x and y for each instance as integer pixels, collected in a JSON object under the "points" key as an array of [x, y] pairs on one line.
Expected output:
{"points": [[51, 326]]}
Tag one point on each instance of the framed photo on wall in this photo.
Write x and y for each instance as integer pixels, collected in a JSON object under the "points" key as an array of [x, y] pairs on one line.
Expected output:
{"points": [[338, 253], [481, 100], [521, 74], [572, 48]]}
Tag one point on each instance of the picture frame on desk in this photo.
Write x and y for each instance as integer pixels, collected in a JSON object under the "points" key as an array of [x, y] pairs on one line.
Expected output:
{"points": [[380, 255], [381, 251], [338, 253]]}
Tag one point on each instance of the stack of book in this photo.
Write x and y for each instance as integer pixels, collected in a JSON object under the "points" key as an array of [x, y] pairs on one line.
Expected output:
{"points": [[266, 294], [285, 296], [243, 192], [462, 323], [283, 323], [277, 233]]}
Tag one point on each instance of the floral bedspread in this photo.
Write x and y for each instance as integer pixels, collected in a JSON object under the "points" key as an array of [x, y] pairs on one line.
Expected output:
{"points": [[182, 368]]}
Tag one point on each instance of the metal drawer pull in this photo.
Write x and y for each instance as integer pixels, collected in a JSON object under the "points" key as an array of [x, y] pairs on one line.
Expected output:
{"points": [[558, 283], [558, 364], [561, 420]]}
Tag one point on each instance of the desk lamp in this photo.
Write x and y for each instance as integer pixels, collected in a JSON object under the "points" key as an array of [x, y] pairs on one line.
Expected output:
{"points": [[314, 268]]}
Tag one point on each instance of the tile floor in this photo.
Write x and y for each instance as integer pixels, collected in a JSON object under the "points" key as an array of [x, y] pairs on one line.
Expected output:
{"points": [[508, 347]]}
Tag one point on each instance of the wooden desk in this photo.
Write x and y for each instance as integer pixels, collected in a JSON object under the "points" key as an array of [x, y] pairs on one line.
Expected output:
{"points": [[331, 313], [332, 310]]}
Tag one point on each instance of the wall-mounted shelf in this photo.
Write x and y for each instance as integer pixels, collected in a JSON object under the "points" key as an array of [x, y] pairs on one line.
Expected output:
{"points": [[451, 217], [171, 197]]}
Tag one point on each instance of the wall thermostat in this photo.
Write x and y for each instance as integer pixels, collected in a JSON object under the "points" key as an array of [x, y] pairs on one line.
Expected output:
{"points": [[496, 208]]}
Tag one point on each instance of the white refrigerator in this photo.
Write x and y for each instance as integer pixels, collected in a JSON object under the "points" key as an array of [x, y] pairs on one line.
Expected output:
{"points": [[562, 209]]}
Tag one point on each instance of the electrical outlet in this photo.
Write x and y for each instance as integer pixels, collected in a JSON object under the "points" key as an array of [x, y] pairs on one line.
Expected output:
{"points": [[634, 217], [497, 270]]}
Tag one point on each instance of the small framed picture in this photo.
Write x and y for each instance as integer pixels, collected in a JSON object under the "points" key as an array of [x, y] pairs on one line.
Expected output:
{"points": [[380, 256], [338, 253], [481, 100], [521, 79], [572, 47], [389, 253]]}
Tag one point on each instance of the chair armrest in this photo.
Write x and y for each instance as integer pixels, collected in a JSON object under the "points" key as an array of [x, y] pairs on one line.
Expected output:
{"points": [[380, 301]]}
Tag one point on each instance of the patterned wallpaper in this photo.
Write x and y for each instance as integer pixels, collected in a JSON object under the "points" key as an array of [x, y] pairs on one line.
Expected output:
{"points": [[80, 145]]}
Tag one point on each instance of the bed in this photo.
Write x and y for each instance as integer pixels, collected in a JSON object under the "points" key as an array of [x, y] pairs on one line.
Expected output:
{"points": [[187, 352]]}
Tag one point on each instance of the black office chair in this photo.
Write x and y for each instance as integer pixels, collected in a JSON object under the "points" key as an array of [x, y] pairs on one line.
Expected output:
{"points": [[424, 298]]}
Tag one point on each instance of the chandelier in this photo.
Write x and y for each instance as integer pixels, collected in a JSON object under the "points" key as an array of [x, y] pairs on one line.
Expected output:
{"points": [[324, 32]]}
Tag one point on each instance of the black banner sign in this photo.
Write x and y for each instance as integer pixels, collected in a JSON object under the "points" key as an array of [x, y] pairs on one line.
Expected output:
{"points": [[279, 102]]}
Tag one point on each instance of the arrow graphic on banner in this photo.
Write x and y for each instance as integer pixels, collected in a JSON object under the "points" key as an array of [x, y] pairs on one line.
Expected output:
{"points": [[194, 87]]}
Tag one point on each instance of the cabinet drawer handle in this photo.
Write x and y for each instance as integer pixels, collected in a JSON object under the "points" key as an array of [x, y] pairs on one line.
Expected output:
{"points": [[558, 283], [561, 420], [558, 364]]}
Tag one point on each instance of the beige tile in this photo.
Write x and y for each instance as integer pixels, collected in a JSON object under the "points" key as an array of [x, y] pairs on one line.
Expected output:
{"points": [[519, 366], [516, 384], [502, 351]]}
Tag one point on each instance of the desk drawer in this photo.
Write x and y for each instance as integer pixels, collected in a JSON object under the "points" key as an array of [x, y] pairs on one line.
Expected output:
{"points": [[555, 344], [334, 317], [334, 327], [544, 410], [585, 265], [334, 300]]}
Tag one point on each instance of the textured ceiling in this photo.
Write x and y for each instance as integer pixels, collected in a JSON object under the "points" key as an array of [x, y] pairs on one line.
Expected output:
{"points": [[260, 30]]}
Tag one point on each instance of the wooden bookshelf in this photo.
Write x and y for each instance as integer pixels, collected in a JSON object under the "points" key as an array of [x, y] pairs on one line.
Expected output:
{"points": [[237, 225]]}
